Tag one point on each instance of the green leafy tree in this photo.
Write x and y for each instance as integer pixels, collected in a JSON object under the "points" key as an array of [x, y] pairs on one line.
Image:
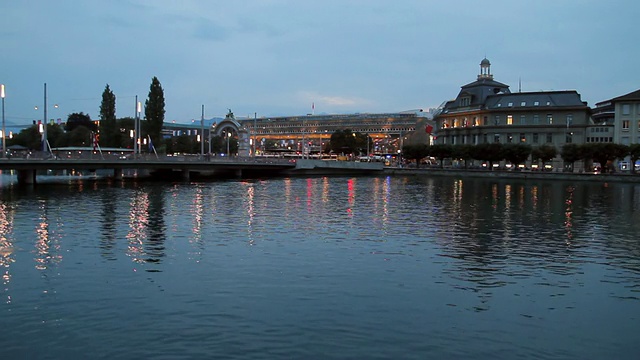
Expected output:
{"points": [[634, 155], [29, 137], [154, 111], [516, 153], [109, 132], [79, 119], [544, 153], [571, 153], [442, 152], [490, 152], [343, 141], [415, 152], [79, 136], [607, 153], [463, 152]]}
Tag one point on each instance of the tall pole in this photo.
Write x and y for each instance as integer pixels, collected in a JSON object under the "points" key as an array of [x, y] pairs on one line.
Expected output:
{"points": [[228, 137], [4, 136], [255, 133], [135, 130], [202, 134], [44, 121], [139, 131]]}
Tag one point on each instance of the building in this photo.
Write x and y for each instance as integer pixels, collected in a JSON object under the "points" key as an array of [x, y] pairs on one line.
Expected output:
{"points": [[617, 120], [486, 111]]}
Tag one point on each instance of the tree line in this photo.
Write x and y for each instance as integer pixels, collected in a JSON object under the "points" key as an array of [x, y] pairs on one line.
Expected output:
{"points": [[516, 154]]}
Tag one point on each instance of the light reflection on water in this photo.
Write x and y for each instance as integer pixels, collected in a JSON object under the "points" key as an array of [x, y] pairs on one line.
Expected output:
{"points": [[367, 267]]}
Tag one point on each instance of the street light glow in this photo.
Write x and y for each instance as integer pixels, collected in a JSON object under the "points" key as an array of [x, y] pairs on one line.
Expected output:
{"points": [[2, 91]]}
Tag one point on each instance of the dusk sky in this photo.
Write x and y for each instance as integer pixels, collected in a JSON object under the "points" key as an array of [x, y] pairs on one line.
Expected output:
{"points": [[278, 57]]}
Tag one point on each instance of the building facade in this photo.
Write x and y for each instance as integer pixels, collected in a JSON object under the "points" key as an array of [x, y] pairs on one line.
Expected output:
{"points": [[486, 111]]}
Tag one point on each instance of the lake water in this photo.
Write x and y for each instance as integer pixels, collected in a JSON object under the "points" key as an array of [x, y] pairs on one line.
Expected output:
{"points": [[320, 268]]}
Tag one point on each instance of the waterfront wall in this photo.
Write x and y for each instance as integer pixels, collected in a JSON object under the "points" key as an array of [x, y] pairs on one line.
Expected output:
{"points": [[537, 175]]}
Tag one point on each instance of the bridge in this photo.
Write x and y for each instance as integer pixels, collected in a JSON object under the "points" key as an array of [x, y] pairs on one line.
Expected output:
{"points": [[184, 167]]}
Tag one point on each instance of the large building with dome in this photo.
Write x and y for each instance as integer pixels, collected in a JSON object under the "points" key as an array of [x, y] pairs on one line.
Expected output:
{"points": [[487, 111]]}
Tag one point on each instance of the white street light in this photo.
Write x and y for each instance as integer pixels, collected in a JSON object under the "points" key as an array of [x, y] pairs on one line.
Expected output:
{"points": [[228, 138], [4, 142]]}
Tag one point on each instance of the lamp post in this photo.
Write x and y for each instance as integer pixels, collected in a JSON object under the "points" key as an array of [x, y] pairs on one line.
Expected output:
{"points": [[4, 136], [228, 138], [45, 142], [202, 134], [255, 134]]}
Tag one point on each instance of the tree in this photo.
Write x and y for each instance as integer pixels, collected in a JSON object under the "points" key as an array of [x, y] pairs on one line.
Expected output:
{"points": [[441, 151], [544, 153], [343, 141], [154, 111], [79, 119], [490, 152], [571, 153], [516, 153], [607, 153], [464, 152], [634, 155], [109, 132], [415, 152]]}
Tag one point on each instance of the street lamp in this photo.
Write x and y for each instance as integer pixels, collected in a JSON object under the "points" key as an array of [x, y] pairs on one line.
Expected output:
{"points": [[228, 138], [202, 134], [4, 142], [45, 142]]}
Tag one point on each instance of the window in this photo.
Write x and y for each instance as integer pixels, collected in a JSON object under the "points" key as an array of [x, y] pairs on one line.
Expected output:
{"points": [[624, 140], [625, 125], [509, 119], [535, 138], [549, 137], [465, 101], [536, 103], [510, 104], [475, 139], [549, 119], [499, 105], [548, 103], [496, 120], [496, 138], [536, 119], [569, 120], [524, 103], [626, 109], [475, 121], [485, 138], [638, 124], [523, 119], [486, 121], [509, 138], [522, 138], [569, 138]]}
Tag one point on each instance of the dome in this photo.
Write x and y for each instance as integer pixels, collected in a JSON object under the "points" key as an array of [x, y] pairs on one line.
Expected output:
{"points": [[485, 61]]}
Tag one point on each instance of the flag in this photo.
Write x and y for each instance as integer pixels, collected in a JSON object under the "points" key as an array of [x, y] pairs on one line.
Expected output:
{"points": [[313, 106], [150, 144], [429, 129], [94, 140]]}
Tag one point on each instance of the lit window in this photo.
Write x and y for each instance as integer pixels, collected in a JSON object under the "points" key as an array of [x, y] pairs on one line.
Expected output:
{"points": [[549, 119], [509, 119], [536, 103], [509, 138], [522, 138], [499, 105], [524, 103], [548, 103], [510, 104]]}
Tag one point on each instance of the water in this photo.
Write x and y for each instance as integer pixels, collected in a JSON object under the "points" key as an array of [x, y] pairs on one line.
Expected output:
{"points": [[326, 268]]}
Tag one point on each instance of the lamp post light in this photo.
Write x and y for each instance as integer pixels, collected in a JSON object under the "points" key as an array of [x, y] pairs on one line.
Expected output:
{"points": [[4, 137], [45, 142], [202, 134], [228, 138], [255, 134]]}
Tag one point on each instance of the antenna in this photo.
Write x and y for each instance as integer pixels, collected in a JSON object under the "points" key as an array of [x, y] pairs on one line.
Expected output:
{"points": [[519, 84]]}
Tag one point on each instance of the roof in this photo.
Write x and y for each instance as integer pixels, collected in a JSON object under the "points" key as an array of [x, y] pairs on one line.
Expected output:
{"points": [[632, 96], [541, 99]]}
